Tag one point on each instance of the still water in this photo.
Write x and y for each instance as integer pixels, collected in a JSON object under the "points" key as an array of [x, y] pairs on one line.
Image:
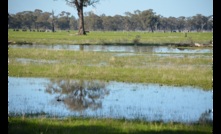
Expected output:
{"points": [[113, 48], [150, 102]]}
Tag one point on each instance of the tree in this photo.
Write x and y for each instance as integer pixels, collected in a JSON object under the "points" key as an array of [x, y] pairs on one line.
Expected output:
{"points": [[181, 21], [73, 23], [63, 21], [52, 21], [210, 22], [9, 17], [163, 23], [92, 21], [43, 20], [189, 23], [26, 18], [172, 23], [79, 5], [37, 14], [107, 23], [137, 20], [14, 21], [127, 21], [154, 20], [200, 21]]}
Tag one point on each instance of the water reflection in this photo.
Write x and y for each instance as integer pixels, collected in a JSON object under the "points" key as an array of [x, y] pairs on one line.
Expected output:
{"points": [[149, 102], [206, 117], [78, 95]]}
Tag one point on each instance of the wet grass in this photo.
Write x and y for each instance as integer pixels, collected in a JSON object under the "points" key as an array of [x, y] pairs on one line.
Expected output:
{"points": [[188, 70], [78, 125], [108, 37]]}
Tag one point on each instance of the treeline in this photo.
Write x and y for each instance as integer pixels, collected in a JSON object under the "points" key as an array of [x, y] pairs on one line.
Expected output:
{"points": [[146, 20]]}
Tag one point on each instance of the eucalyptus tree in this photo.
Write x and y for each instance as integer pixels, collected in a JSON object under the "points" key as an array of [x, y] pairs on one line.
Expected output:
{"points": [[210, 22], [79, 5], [93, 21], [181, 22], [128, 24], [26, 18], [154, 21], [172, 23], [107, 22], [73, 23], [118, 22], [138, 21], [43, 20], [163, 23], [63, 21], [147, 19], [131, 21], [200, 21], [37, 14], [189, 23], [15, 21]]}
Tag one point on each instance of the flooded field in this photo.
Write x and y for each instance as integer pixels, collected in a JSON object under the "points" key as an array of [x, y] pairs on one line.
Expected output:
{"points": [[111, 48], [110, 99], [150, 102]]}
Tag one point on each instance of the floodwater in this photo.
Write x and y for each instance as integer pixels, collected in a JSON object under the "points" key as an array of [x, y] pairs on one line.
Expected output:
{"points": [[118, 51], [150, 102], [113, 48]]}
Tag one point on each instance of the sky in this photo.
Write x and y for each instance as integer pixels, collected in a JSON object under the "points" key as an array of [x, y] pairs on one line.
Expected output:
{"points": [[166, 8]]}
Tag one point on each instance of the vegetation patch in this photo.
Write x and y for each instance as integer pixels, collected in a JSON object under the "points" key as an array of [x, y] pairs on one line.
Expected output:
{"points": [[80, 125], [109, 37], [145, 68]]}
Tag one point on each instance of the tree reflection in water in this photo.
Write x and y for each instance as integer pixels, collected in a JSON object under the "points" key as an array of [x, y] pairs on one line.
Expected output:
{"points": [[206, 117], [78, 95]]}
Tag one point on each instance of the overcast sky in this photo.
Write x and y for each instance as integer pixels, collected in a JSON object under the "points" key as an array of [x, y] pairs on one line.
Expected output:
{"points": [[165, 8]]}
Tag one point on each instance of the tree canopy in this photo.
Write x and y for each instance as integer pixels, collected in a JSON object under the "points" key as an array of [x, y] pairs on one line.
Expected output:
{"points": [[79, 5], [146, 20]]}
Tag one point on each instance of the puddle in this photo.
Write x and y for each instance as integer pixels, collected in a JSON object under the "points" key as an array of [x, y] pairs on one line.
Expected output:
{"points": [[25, 61], [33, 61], [110, 48], [150, 102]]}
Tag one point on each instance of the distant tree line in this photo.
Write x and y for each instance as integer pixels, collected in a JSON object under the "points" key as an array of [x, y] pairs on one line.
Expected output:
{"points": [[146, 20]]}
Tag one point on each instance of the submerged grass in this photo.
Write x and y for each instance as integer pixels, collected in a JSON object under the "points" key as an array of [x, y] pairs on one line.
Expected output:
{"points": [[108, 37], [108, 66], [100, 126]]}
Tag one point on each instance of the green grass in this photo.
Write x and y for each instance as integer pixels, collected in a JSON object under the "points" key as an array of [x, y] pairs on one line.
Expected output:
{"points": [[145, 68], [42, 125], [108, 37]]}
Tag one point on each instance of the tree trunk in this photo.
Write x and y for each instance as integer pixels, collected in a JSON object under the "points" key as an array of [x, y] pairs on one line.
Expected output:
{"points": [[53, 27], [151, 27], [81, 30]]}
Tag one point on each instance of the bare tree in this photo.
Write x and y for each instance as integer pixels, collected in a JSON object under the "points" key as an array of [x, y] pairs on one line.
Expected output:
{"points": [[79, 5]]}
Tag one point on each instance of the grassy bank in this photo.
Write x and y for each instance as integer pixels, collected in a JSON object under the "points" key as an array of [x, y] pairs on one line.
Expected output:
{"points": [[98, 37], [100, 126], [145, 67]]}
